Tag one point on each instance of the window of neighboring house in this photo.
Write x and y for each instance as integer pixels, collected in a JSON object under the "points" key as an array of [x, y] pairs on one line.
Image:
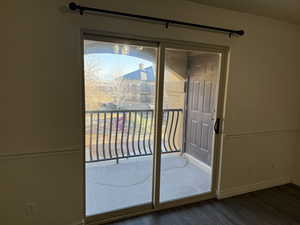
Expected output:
{"points": [[143, 76]]}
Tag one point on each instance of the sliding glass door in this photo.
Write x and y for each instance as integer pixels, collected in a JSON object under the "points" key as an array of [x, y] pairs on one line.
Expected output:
{"points": [[191, 79], [150, 123], [120, 84]]}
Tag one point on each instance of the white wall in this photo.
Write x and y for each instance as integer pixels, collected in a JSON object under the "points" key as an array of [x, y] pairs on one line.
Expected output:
{"points": [[40, 92], [296, 169], [49, 181]]}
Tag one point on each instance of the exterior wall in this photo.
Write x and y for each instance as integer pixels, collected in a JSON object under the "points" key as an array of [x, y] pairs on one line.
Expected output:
{"points": [[41, 99], [175, 75], [174, 93]]}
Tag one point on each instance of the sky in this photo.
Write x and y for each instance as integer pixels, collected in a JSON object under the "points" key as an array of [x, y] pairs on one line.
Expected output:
{"points": [[110, 66]]}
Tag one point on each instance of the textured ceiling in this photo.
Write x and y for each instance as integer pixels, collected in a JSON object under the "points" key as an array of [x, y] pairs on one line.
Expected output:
{"points": [[285, 10]]}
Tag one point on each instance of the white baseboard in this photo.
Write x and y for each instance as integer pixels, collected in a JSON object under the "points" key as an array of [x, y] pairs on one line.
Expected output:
{"points": [[252, 187], [78, 223], [198, 163], [296, 182]]}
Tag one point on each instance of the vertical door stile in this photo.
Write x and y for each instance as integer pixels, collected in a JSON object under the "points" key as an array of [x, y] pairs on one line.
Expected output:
{"points": [[220, 108], [158, 124]]}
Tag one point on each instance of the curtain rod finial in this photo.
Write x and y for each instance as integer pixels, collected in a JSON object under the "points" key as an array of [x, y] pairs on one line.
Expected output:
{"points": [[73, 6], [240, 32]]}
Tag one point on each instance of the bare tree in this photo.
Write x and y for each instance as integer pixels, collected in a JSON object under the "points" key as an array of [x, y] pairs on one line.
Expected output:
{"points": [[119, 87], [92, 74]]}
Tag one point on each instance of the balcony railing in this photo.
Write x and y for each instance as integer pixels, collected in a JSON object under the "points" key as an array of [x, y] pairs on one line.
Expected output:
{"points": [[114, 135]]}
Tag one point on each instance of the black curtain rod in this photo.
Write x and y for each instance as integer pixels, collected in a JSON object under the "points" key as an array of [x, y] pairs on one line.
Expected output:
{"points": [[73, 6]]}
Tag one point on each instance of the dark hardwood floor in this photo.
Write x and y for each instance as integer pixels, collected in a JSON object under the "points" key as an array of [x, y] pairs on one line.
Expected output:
{"points": [[275, 206]]}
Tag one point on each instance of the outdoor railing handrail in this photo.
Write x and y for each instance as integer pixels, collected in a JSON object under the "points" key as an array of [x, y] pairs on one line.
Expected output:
{"points": [[127, 133], [128, 110]]}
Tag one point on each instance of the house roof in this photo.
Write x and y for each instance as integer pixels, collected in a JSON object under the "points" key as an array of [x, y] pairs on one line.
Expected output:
{"points": [[146, 74]]}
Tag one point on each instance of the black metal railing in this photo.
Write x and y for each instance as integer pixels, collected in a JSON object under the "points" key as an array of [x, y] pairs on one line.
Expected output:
{"points": [[113, 135]]}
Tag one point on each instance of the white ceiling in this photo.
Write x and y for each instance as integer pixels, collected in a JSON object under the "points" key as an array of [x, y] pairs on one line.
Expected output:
{"points": [[286, 10]]}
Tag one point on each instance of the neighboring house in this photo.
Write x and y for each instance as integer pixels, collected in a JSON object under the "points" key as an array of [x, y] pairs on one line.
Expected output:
{"points": [[138, 88]]}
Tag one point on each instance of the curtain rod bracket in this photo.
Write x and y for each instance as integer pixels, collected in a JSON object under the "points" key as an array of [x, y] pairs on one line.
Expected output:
{"points": [[81, 11]]}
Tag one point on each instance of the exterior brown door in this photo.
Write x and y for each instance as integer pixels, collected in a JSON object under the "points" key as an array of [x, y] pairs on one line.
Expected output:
{"points": [[201, 108]]}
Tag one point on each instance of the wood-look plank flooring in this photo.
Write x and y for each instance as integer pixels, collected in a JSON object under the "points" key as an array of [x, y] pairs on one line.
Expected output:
{"points": [[274, 206]]}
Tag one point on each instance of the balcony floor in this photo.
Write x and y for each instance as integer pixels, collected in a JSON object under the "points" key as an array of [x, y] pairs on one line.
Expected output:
{"points": [[111, 186]]}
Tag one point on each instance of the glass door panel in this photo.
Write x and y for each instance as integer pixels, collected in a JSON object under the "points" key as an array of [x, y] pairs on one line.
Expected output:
{"points": [[119, 114], [189, 108]]}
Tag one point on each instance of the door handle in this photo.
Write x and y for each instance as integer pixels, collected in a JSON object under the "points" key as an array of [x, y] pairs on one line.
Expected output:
{"points": [[217, 126]]}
